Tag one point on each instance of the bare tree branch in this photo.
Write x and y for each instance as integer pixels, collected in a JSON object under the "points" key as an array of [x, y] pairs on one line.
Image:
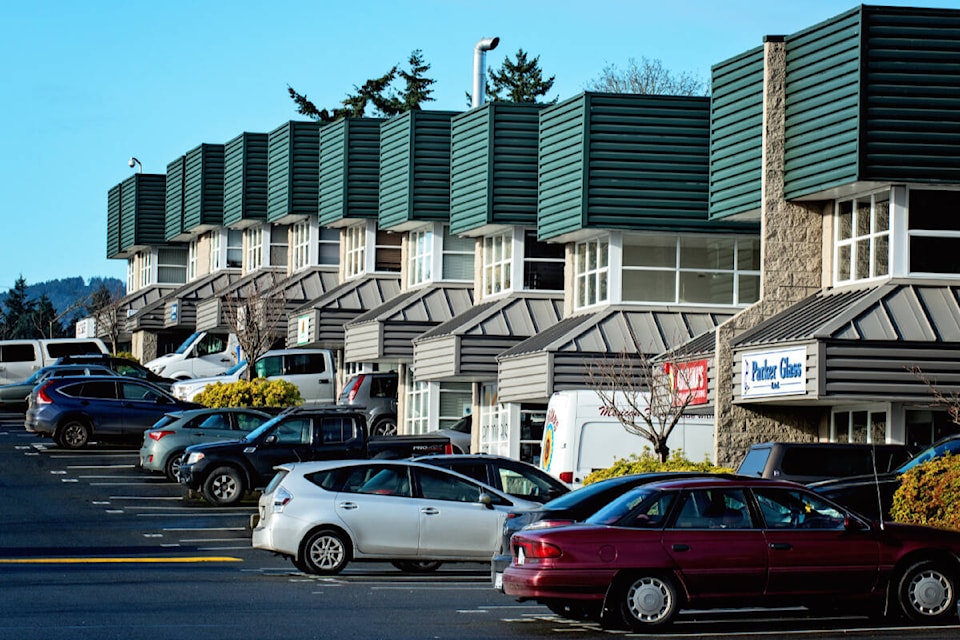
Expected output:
{"points": [[257, 316]]}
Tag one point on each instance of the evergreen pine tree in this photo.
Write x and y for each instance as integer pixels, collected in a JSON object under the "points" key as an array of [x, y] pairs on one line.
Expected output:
{"points": [[18, 315], [519, 81]]}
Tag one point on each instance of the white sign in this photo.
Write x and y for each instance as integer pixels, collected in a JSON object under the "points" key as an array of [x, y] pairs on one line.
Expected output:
{"points": [[303, 329], [773, 373]]}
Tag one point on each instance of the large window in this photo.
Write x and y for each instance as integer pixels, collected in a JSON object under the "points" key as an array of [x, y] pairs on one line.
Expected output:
{"points": [[301, 244], [430, 254], [172, 265], [253, 238], [279, 245], [146, 269], [497, 263], [387, 257], [192, 260], [592, 275], [862, 238], [934, 231], [494, 423], [226, 249], [859, 426], [328, 246], [420, 260], [542, 264], [432, 405], [355, 250], [417, 414], [458, 254]]}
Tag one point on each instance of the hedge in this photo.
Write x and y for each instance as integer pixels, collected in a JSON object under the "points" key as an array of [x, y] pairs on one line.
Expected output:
{"points": [[930, 494], [647, 462], [258, 392]]}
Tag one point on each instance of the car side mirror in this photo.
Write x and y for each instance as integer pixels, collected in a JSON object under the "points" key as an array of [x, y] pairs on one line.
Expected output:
{"points": [[271, 439], [486, 500]]}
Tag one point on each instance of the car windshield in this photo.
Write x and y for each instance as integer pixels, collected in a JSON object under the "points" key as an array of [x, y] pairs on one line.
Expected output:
{"points": [[183, 348], [587, 493], [937, 450], [266, 427]]}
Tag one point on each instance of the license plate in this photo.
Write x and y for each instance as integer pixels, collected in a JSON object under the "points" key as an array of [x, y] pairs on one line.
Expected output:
{"points": [[498, 581]]}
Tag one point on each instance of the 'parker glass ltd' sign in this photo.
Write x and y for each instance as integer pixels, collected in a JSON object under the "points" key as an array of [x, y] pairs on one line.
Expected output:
{"points": [[773, 373]]}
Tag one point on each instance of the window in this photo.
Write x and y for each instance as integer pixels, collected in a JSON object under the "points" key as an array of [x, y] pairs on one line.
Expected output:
{"points": [[532, 419], [301, 244], [454, 402], [294, 431], [690, 269], [417, 406], [279, 244], [592, 273], [497, 263], [131, 275], [146, 268], [542, 264], [923, 427], [458, 254], [387, 251], [134, 391], [862, 238], [437, 485], [328, 250], [934, 231], [494, 423], [192, 260], [786, 509], [420, 262], [378, 480], [229, 256], [714, 509], [253, 237], [336, 429], [172, 265], [234, 248], [447, 403], [355, 251], [860, 426]]}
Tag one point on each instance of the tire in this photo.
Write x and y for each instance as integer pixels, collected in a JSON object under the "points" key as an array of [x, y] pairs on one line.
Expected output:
{"points": [[224, 486], [384, 427], [417, 566], [927, 593], [172, 467], [648, 602], [324, 552], [74, 434], [575, 610]]}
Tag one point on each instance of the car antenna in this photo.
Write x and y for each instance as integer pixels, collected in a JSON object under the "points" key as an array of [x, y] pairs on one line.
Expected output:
{"points": [[876, 483]]}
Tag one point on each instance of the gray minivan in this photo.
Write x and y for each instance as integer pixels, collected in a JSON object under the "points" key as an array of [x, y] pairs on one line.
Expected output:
{"points": [[807, 462]]}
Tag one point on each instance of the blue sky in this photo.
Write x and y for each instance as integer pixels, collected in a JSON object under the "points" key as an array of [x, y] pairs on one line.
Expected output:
{"points": [[87, 84]]}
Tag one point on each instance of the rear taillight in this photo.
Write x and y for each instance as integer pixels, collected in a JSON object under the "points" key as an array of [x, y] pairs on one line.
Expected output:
{"points": [[42, 397], [281, 498], [355, 387], [534, 548], [159, 434], [566, 476]]}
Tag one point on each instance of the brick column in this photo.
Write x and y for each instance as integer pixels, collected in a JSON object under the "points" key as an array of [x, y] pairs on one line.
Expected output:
{"points": [[791, 265]]}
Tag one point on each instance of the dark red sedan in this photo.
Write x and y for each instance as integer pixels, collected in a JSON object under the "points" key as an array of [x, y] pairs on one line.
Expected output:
{"points": [[729, 542]]}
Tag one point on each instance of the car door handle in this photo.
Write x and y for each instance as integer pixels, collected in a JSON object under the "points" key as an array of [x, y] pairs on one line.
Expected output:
{"points": [[429, 511], [781, 546], [681, 547], [348, 505]]}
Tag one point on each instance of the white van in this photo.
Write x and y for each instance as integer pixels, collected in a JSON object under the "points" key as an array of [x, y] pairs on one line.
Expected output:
{"points": [[19, 359], [201, 354], [579, 436]]}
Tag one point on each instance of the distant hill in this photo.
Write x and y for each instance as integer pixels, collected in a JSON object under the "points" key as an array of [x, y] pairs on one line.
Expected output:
{"points": [[66, 292]]}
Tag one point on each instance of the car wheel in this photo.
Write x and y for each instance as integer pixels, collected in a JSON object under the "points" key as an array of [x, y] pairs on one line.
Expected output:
{"points": [[575, 610], [384, 427], [648, 601], [223, 486], [325, 552], [73, 435], [927, 593], [417, 566], [172, 468]]}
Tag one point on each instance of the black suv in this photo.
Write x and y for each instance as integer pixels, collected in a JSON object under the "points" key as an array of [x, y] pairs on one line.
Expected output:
{"points": [[807, 462], [510, 476], [123, 366]]}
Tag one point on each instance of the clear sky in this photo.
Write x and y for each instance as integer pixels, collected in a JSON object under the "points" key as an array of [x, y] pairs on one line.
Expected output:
{"points": [[87, 84]]}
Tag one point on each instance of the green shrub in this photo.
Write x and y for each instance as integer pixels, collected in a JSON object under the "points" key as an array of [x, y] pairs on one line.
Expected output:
{"points": [[646, 462], [127, 355], [258, 392], [930, 494]]}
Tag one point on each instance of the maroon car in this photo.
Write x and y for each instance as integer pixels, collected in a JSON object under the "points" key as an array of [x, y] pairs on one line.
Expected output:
{"points": [[733, 542]]}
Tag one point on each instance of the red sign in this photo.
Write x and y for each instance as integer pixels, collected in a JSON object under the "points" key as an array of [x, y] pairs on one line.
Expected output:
{"points": [[688, 380]]}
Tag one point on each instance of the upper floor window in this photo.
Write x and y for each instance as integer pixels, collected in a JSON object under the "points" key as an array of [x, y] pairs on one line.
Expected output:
{"points": [[328, 250], [497, 263], [146, 269], [253, 238], [226, 249], [300, 231], [355, 250], [862, 238], [542, 263], [420, 262], [592, 273], [279, 244], [934, 232], [131, 275], [431, 253], [192, 259], [388, 251], [458, 255], [172, 265]]}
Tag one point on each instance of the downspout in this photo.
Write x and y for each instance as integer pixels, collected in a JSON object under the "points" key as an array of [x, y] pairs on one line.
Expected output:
{"points": [[479, 68]]}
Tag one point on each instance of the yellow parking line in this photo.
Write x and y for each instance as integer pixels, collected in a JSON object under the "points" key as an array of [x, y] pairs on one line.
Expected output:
{"points": [[117, 560]]}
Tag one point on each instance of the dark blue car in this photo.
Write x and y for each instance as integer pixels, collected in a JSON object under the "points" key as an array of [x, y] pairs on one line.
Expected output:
{"points": [[75, 411]]}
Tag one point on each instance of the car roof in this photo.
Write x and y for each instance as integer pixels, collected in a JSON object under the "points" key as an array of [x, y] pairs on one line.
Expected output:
{"points": [[720, 479]]}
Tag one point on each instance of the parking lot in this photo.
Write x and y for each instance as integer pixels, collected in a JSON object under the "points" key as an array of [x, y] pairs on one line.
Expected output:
{"points": [[91, 547]]}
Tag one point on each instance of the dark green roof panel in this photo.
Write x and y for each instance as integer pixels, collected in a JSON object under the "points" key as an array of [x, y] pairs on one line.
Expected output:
{"points": [[618, 161], [822, 106], [415, 169], [736, 132], [173, 214], [203, 188], [293, 171], [349, 170], [911, 101], [113, 222], [493, 166], [142, 204], [245, 180]]}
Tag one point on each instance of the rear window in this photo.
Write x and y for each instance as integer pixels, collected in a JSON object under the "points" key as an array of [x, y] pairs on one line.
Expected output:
{"points": [[754, 462], [383, 387], [302, 363], [94, 389], [60, 349], [17, 353]]}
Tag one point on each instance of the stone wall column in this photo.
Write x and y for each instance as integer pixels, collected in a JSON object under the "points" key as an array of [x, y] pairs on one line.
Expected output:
{"points": [[791, 237]]}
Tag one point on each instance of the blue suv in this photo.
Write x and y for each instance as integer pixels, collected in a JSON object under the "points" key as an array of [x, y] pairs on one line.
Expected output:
{"points": [[74, 411]]}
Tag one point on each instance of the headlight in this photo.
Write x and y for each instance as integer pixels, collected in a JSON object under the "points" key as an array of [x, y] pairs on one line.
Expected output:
{"points": [[194, 457]]}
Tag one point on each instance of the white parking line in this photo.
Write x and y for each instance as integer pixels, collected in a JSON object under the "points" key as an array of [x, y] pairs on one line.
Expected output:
{"points": [[105, 466], [148, 498], [171, 529]]}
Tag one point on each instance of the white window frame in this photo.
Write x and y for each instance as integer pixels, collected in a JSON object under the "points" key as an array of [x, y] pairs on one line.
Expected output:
{"points": [[418, 406], [599, 274], [868, 241], [356, 239], [216, 258], [870, 410], [253, 238], [494, 427], [146, 269], [131, 274], [926, 233], [327, 236], [523, 251], [422, 253], [181, 265], [497, 256], [303, 250], [192, 252], [279, 238]]}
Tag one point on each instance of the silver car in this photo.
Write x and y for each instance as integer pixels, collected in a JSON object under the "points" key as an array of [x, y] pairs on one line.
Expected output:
{"points": [[323, 515], [164, 444]]}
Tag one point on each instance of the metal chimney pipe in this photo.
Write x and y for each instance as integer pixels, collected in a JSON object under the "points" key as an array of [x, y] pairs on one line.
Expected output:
{"points": [[479, 68]]}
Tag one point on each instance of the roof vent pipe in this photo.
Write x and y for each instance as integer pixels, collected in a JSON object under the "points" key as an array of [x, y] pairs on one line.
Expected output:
{"points": [[479, 68]]}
